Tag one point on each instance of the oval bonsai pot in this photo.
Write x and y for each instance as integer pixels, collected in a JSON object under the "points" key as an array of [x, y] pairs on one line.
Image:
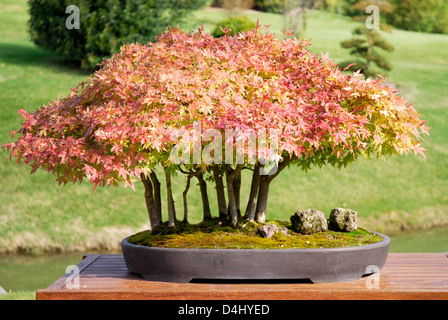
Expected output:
{"points": [[317, 265]]}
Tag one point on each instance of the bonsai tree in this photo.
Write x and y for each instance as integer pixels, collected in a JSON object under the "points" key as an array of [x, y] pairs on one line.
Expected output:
{"points": [[209, 108]]}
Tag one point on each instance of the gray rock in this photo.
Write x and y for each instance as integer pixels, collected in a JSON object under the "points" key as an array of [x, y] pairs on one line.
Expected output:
{"points": [[309, 221], [283, 230], [342, 219], [268, 230], [3, 291]]}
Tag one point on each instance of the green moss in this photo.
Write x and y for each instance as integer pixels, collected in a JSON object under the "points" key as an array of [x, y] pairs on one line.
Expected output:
{"points": [[211, 234]]}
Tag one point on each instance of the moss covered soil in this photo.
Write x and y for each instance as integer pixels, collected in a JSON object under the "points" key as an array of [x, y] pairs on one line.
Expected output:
{"points": [[213, 235]]}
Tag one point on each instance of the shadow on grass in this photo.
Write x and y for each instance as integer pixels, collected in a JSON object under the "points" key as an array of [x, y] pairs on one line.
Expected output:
{"points": [[30, 55]]}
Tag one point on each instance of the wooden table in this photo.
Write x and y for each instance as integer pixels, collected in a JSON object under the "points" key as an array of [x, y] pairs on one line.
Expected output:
{"points": [[405, 276]]}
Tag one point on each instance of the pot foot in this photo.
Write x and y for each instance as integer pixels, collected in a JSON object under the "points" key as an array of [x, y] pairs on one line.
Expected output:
{"points": [[167, 278]]}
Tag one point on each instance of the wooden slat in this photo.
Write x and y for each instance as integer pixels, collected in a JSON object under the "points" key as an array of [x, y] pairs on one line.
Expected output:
{"points": [[85, 262], [405, 276]]}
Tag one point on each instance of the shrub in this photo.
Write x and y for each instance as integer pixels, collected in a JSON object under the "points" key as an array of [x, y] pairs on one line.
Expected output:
{"points": [[105, 25], [48, 31], [235, 24]]}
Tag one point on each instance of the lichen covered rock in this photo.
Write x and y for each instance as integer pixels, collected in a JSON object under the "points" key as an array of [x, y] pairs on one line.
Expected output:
{"points": [[309, 221], [342, 219], [268, 230], [283, 230]]}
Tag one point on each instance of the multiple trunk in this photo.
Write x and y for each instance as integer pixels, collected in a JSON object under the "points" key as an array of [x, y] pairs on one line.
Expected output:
{"points": [[228, 210]]}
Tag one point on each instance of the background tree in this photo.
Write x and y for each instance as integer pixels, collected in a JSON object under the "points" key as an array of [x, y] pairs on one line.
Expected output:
{"points": [[356, 8], [423, 16], [295, 14], [135, 111], [386, 9], [412, 15], [274, 6], [234, 6]]}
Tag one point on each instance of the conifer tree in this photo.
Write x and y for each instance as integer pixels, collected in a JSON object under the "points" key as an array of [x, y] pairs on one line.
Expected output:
{"points": [[364, 45]]}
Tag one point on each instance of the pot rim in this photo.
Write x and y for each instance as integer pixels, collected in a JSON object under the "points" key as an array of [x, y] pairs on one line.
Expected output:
{"points": [[382, 243]]}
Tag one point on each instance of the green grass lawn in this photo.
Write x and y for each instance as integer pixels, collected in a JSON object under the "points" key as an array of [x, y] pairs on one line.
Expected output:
{"points": [[404, 192]]}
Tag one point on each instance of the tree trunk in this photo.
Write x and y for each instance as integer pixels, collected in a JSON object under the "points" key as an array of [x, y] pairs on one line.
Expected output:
{"points": [[220, 194], [205, 203], [232, 205], [230, 176], [265, 180], [262, 200], [237, 192], [170, 200], [154, 218], [252, 202], [184, 197], [157, 195]]}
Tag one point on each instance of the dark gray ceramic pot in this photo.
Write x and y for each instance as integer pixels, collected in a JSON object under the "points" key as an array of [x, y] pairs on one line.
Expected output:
{"points": [[317, 265]]}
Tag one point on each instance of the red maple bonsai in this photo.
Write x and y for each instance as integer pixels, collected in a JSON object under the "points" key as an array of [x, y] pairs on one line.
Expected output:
{"points": [[150, 103]]}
